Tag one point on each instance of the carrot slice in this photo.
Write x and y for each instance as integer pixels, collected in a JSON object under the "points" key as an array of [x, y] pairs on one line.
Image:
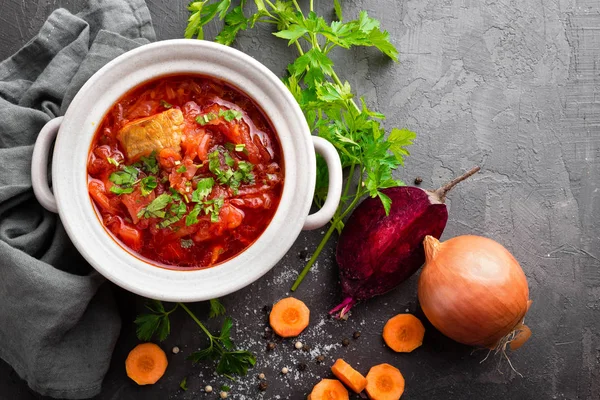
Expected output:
{"points": [[349, 376], [289, 317], [384, 382], [146, 363], [329, 389], [403, 333]]}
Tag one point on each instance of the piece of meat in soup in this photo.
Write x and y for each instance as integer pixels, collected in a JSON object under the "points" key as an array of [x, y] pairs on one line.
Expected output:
{"points": [[145, 135]]}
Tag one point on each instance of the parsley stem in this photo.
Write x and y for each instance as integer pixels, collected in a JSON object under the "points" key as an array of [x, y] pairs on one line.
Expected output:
{"points": [[200, 324], [311, 5], [299, 49], [332, 228], [297, 7], [315, 255]]}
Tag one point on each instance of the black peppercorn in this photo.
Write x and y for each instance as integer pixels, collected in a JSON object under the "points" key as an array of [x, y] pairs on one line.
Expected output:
{"points": [[271, 346], [263, 385], [320, 358], [345, 342], [356, 335], [302, 367], [418, 180]]}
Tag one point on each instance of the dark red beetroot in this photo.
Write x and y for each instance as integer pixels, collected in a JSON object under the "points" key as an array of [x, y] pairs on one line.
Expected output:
{"points": [[375, 252]]}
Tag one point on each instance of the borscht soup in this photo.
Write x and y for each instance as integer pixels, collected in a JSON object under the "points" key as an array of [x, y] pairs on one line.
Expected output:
{"points": [[186, 171]]}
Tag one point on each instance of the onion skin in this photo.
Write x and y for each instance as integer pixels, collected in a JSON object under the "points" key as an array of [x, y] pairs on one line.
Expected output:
{"points": [[472, 290]]}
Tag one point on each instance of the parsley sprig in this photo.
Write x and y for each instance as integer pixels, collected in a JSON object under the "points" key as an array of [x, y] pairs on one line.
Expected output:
{"points": [[230, 361], [368, 154]]}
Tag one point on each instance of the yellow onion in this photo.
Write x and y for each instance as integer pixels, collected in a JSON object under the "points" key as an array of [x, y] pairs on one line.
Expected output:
{"points": [[474, 291]]}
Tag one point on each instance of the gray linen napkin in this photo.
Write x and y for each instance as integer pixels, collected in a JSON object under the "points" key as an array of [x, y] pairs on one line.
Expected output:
{"points": [[58, 322]]}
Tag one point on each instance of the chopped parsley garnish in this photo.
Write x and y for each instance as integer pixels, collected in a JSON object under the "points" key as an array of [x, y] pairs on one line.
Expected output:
{"points": [[123, 180], [205, 118], [176, 212], [230, 115], [150, 164], [148, 184], [187, 243], [203, 189], [208, 207], [183, 384], [166, 104], [240, 147], [116, 189], [112, 161], [127, 176], [156, 209], [181, 169], [229, 176]]}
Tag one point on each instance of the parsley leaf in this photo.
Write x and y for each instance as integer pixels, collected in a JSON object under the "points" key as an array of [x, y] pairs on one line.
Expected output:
{"points": [[227, 175], [203, 189], [192, 217], [156, 322], [150, 163], [183, 384], [399, 139], [230, 115], [120, 190], [148, 184], [216, 308], [166, 104], [181, 169], [156, 208], [205, 118], [127, 176], [235, 21]]}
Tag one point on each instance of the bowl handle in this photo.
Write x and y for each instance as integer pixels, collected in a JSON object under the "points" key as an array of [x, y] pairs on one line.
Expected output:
{"points": [[334, 191], [39, 164]]}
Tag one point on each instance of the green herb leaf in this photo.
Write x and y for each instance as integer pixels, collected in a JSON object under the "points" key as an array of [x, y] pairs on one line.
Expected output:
{"points": [[230, 115], [235, 21], [150, 163], [240, 147], [120, 190], [399, 139], [127, 176], [203, 190], [210, 353], [148, 184], [183, 384], [386, 201], [112, 161], [225, 388], [165, 104], [181, 169], [154, 323], [205, 118], [156, 208], [292, 33], [236, 362], [216, 308], [192, 217]]}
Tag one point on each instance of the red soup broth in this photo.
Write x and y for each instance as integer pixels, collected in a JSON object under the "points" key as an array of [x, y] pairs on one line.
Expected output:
{"points": [[186, 171]]}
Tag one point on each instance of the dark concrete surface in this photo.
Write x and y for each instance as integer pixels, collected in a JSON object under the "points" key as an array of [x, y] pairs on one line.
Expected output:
{"points": [[511, 85]]}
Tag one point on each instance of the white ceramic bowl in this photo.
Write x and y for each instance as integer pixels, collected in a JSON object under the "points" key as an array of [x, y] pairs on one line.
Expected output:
{"points": [[75, 132]]}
